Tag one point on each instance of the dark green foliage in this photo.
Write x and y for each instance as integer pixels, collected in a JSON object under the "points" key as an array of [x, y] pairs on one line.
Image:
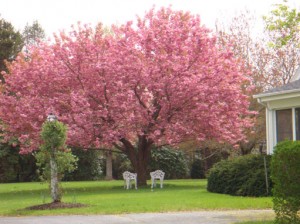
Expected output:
{"points": [[171, 161], [197, 170], [15, 167], [8, 164], [286, 177], [89, 165], [54, 136], [121, 163], [243, 176], [11, 43]]}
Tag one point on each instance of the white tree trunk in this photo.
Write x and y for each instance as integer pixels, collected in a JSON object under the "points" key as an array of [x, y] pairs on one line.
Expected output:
{"points": [[54, 180], [109, 165]]}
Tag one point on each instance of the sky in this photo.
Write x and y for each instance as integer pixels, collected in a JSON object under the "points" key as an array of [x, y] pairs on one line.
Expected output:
{"points": [[56, 15]]}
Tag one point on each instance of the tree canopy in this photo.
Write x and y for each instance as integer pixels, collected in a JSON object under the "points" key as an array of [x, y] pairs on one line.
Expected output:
{"points": [[158, 81]]}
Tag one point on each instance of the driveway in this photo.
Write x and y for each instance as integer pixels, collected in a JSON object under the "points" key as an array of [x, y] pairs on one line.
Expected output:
{"points": [[199, 217]]}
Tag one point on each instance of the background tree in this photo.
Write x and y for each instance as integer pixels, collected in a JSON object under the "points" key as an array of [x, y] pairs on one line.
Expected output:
{"points": [[239, 36], [10, 44], [283, 28], [33, 34], [11, 164], [159, 82], [284, 22], [272, 57]]}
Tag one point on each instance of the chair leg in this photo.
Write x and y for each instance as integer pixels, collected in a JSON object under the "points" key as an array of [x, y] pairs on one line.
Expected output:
{"points": [[128, 184]]}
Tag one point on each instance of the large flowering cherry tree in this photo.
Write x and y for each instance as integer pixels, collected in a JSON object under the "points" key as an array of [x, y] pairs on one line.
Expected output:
{"points": [[160, 80]]}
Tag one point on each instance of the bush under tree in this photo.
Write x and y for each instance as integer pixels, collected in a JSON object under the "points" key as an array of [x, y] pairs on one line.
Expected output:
{"points": [[89, 166], [197, 171], [171, 161], [285, 174], [241, 176], [120, 164], [15, 167]]}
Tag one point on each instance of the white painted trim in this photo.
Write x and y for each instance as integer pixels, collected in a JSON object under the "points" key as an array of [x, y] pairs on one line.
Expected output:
{"points": [[276, 93], [273, 131], [278, 97], [268, 136], [270, 130], [294, 123], [271, 127]]}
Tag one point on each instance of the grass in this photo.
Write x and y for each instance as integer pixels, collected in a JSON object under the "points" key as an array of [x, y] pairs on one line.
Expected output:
{"points": [[257, 222], [109, 197]]}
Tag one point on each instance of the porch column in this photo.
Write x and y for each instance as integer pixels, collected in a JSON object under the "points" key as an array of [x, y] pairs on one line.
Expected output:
{"points": [[271, 130]]}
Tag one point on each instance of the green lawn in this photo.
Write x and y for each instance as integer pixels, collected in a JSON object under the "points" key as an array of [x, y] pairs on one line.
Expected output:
{"points": [[257, 222], [109, 197]]}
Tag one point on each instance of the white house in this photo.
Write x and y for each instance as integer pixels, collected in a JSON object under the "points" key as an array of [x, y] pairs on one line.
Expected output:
{"points": [[282, 113]]}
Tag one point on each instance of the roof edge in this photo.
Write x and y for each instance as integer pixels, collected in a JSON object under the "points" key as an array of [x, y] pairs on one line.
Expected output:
{"points": [[261, 95]]}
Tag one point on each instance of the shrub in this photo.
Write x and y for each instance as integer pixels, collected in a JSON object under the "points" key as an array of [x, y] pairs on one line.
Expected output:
{"points": [[89, 166], [15, 167], [242, 176], [171, 161], [286, 177], [120, 164], [197, 170]]}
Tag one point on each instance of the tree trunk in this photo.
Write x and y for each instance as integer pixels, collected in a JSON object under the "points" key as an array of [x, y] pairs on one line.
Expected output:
{"points": [[139, 158], [141, 168], [109, 165], [55, 194], [246, 148]]}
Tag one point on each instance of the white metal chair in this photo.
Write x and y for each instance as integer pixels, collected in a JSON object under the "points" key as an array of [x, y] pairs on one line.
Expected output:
{"points": [[128, 177], [155, 175]]}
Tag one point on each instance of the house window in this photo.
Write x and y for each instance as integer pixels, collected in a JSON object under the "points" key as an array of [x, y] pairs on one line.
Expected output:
{"points": [[284, 125]]}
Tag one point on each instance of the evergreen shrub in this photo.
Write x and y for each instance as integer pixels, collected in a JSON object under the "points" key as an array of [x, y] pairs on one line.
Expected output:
{"points": [[171, 161], [89, 166], [197, 171], [285, 174], [241, 176]]}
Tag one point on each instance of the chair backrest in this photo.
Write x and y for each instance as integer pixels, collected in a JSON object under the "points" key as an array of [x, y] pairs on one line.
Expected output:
{"points": [[129, 176], [157, 174]]}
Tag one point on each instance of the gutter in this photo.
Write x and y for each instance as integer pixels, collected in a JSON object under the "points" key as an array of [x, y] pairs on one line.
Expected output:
{"points": [[275, 93], [266, 105]]}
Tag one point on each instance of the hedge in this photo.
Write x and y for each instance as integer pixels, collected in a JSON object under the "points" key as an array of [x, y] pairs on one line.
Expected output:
{"points": [[285, 174], [241, 176]]}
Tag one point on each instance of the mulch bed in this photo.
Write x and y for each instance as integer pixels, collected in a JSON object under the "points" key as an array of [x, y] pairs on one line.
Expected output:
{"points": [[55, 205]]}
